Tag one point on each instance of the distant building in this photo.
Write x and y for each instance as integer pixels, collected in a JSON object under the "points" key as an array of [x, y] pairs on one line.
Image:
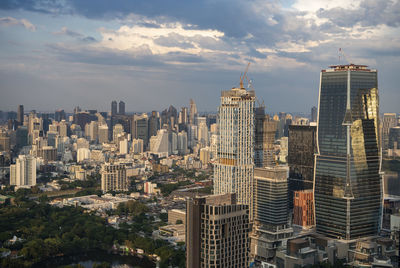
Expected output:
{"points": [[121, 109], [217, 231], [389, 121], [150, 188], [20, 115], [314, 114], [103, 134], [114, 109], [175, 215], [23, 172], [113, 177], [137, 146]]}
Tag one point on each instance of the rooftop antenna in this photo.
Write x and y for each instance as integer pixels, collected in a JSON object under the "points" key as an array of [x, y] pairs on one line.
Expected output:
{"points": [[343, 56]]}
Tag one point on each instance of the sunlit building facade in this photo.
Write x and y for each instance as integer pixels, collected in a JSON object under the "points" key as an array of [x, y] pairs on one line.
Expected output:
{"points": [[234, 170], [347, 180]]}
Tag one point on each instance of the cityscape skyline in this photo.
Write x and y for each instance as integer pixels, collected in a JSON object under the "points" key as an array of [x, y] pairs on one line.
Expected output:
{"points": [[158, 54], [163, 133]]}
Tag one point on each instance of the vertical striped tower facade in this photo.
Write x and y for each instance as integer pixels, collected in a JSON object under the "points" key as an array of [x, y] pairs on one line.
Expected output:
{"points": [[234, 170]]}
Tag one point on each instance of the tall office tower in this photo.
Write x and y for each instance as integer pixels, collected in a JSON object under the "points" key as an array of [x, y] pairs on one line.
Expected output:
{"points": [[24, 171], [314, 114], [394, 141], [63, 129], [348, 188], [217, 232], [269, 132], [113, 177], [21, 136], [4, 142], [59, 115], [271, 217], [20, 115], [182, 143], [114, 109], [46, 121], [301, 149], [259, 136], [183, 116], [103, 134], [389, 121], [192, 136], [121, 107], [233, 172], [193, 113], [154, 123], [93, 130], [172, 143], [202, 129], [140, 128]]}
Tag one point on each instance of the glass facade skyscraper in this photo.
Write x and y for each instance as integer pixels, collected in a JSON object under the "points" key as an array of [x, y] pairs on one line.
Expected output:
{"points": [[347, 180]]}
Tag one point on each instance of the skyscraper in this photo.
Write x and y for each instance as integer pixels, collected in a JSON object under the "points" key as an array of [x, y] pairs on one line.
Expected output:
{"points": [[389, 121], [347, 183], [217, 232], [121, 107], [20, 115], [114, 110], [302, 145], [314, 114], [234, 170], [192, 113]]}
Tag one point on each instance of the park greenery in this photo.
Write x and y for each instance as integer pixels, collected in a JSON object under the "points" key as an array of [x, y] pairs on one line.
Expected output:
{"points": [[46, 231]]}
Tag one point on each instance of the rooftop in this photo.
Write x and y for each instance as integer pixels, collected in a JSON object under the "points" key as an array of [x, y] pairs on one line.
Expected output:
{"points": [[345, 67]]}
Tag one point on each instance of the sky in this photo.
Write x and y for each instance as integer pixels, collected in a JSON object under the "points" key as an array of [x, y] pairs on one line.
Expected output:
{"points": [[58, 54]]}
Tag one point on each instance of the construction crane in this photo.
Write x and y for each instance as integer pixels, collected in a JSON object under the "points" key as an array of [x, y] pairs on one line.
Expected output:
{"points": [[244, 75]]}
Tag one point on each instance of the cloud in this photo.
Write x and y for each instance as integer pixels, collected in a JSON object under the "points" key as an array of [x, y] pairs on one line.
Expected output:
{"points": [[369, 13], [65, 31], [10, 21]]}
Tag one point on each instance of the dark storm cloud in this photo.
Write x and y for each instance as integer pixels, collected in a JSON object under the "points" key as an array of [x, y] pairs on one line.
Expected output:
{"points": [[233, 17], [370, 13]]}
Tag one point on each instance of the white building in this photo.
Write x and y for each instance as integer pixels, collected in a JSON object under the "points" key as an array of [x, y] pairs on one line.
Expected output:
{"points": [[159, 143], [82, 154], [24, 171], [123, 146], [182, 143], [234, 170]]}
